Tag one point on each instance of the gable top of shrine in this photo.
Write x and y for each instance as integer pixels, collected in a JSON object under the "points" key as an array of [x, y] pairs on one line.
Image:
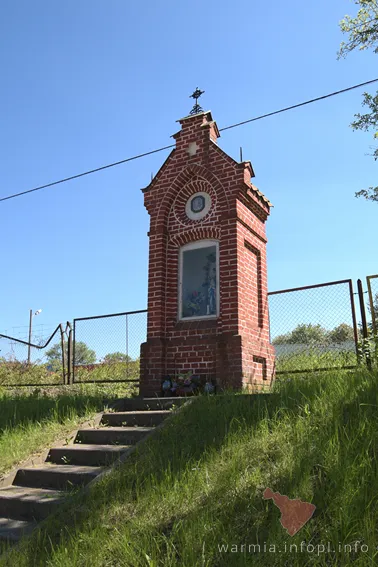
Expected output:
{"points": [[193, 121], [195, 142]]}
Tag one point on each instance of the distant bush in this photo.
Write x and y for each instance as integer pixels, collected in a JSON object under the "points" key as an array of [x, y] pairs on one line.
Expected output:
{"points": [[13, 372], [108, 371], [308, 334]]}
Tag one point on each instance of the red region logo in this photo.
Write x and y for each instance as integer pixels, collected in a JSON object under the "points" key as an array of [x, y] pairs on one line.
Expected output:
{"points": [[294, 513]]}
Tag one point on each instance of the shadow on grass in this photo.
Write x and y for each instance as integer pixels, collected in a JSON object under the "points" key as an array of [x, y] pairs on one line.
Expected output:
{"points": [[330, 413], [251, 519]]}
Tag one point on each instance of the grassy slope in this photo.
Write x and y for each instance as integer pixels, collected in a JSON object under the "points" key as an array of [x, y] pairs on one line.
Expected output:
{"points": [[31, 421], [199, 484]]}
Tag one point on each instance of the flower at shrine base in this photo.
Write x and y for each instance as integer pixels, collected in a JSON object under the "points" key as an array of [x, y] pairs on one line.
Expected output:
{"points": [[166, 385], [184, 384]]}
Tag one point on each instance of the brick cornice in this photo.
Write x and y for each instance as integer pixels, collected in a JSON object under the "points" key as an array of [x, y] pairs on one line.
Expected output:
{"points": [[251, 230], [256, 208]]}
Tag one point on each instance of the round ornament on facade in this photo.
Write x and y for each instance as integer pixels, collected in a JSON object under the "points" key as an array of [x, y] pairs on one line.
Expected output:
{"points": [[198, 206]]}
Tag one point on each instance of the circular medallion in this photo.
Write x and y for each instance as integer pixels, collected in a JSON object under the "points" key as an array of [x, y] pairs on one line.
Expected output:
{"points": [[198, 206]]}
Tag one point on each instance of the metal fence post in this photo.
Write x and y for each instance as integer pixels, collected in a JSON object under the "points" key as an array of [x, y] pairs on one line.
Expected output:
{"points": [[127, 346], [30, 333], [354, 318], [62, 342], [70, 358], [365, 331]]}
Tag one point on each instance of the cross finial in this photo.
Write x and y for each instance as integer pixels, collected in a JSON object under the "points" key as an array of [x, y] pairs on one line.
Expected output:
{"points": [[196, 108]]}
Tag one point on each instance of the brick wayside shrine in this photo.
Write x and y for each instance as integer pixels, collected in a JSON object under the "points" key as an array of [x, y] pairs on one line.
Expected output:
{"points": [[207, 282]]}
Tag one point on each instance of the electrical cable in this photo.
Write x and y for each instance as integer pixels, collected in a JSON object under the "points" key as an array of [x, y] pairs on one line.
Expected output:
{"points": [[13, 196]]}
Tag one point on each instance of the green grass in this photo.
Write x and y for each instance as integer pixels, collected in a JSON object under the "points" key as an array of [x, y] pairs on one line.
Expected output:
{"points": [[33, 419], [198, 484], [315, 360], [21, 374], [109, 371]]}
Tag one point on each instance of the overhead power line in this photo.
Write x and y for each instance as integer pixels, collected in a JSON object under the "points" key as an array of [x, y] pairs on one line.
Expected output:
{"points": [[89, 172], [85, 173], [298, 105]]}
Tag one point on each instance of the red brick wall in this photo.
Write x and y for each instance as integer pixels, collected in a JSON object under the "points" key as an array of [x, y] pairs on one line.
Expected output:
{"points": [[233, 349]]}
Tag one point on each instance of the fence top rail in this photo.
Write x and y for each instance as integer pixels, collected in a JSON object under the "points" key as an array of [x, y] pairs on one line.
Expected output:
{"points": [[31, 344], [310, 287], [371, 277], [109, 315]]}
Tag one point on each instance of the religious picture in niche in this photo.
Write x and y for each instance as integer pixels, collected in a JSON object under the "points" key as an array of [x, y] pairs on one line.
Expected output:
{"points": [[199, 282]]}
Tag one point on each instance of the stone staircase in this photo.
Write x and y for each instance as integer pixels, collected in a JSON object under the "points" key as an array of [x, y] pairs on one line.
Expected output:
{"points": [[38, 490]]}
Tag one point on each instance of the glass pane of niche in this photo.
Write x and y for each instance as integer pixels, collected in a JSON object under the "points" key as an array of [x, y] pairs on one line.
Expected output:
{"points": [[199, 282]]}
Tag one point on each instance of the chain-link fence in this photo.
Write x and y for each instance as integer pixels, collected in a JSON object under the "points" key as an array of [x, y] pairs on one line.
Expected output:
{"points": [[107, 347], [314, 327], [28, 364], [311, 328]]}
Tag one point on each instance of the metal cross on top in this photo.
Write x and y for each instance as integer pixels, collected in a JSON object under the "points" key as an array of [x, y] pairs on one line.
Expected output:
{"points": [[196, 108]]}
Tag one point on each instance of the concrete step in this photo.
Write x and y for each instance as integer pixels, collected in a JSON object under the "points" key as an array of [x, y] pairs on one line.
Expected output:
{"points": [[130, 418], [145, 404], [58, 477], [91, 455], [20, 503], [111, 435], [14, 530]]}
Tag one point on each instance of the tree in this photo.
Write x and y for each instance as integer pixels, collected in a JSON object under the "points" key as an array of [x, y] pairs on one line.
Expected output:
{"points": [[316, 334], [116, 357], [304, 335], [307, 334], [341, 334], [282, 339], [363, 34], [83, 354]]}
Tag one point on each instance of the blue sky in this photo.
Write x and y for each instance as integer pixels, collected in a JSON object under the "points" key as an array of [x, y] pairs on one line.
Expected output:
{"points": [[88, 83]]}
